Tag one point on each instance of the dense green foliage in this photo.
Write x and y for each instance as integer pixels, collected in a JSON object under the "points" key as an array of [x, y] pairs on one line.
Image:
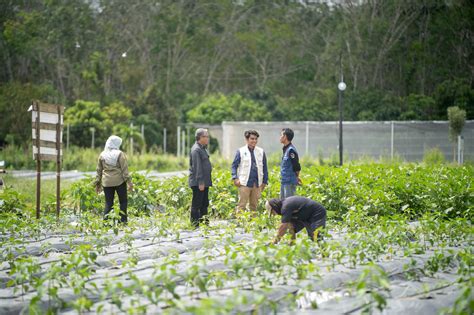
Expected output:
{"points": [[369, 189], [215, 109], [168, 62]]}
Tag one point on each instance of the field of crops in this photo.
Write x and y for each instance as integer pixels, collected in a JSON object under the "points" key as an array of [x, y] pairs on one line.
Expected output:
{"points": [[398, 240]]}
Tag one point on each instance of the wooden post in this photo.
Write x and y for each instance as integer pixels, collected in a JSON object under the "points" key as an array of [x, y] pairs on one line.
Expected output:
{"points": [[58, 163], [38, 159], [67, 138], [391, 140], [178, 142], [49, 122]]}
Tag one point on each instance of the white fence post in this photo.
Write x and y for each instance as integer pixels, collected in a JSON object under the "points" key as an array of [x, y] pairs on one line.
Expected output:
{"points": [[179, 141], [183, 142], [93, 138], [460, 149], [391, 140], [164, 140], [307, 138], [67, 137]]}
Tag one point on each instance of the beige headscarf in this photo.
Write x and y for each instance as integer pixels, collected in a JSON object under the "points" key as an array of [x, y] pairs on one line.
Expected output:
{"points": [[111, 151]]}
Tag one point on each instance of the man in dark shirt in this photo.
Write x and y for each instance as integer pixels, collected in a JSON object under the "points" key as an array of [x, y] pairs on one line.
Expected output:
{"points": [[290, 165], [297, 213], [200, 170]]}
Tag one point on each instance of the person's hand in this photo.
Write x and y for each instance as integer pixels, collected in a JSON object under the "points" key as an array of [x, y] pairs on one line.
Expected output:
{"points": [[300, 182], [130, 186], [237, 182], [262, 187], [98, 189], [201, 187]]}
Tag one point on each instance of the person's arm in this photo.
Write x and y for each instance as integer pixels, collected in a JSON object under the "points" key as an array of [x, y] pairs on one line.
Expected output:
{"points": [[98, 176], [282, 230], [286, 213], [295, 163], [265, 169], [124, 168], [235, 165], [197, 168]]}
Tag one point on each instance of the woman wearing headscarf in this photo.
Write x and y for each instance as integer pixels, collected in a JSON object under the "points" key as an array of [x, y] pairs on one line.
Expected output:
{"points": [[112, 176]]}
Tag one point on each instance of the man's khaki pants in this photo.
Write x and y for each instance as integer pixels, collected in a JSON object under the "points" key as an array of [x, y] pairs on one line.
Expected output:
{"points": [[248, 195]]}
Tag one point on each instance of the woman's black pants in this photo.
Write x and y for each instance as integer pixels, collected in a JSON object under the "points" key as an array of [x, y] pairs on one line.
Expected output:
{"points": [[109, 193]]}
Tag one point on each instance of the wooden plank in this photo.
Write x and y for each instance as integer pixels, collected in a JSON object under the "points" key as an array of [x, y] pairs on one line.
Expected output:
{"points": [[48, 144], [47, 118], [47, 108], [46, 151], [47, 135], [46, 157], [46, 126]]}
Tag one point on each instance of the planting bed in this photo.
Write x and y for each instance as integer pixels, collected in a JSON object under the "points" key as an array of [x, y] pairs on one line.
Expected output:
{"points": [[225, 268]]}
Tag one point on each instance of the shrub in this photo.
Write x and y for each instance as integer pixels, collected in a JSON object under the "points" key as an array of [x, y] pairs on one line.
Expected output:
{"points": [[216, 108], [433, 156], [11, 201], [371, 189]]}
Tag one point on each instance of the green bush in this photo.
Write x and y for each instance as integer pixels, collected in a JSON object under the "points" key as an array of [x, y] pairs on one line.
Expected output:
{"points": [[370, 189], [11, 201], [17, 157], [214, 109], [433, 156], [419, 107]]}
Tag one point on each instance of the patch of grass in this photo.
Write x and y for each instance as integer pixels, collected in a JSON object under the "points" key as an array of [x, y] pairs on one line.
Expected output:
{"points": [[27, 188], [85, 159]]}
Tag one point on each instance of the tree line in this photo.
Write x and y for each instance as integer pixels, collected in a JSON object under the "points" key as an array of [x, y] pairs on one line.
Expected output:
{"points": [[160, 63]]}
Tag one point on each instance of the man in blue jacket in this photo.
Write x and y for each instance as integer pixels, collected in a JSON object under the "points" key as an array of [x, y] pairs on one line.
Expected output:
{"points": [[290, 165]]}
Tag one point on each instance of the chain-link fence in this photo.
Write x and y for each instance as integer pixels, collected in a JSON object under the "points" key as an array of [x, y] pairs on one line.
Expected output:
{"points": [[406, 139]]}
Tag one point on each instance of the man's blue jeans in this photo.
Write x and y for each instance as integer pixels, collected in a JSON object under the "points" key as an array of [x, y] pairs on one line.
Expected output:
{"points": [[287, 191]]}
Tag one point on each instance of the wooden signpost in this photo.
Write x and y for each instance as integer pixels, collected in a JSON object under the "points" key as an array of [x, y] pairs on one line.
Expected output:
{"points": [[47, 129]]}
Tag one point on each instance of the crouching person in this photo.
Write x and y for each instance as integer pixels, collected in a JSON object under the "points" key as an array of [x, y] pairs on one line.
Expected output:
{"points": [[297, 213]]}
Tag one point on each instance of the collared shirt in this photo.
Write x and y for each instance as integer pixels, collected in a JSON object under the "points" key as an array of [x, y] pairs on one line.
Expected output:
{"points": [[295, 161], [253, 177], [200, 168]]}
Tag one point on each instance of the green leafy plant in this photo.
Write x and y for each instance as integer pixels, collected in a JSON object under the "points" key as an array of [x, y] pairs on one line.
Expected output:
{"points": [[11, 201], [373, 285]]}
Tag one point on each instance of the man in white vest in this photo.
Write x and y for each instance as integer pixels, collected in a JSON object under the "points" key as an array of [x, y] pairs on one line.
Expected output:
{"points": [[249, 171]]}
